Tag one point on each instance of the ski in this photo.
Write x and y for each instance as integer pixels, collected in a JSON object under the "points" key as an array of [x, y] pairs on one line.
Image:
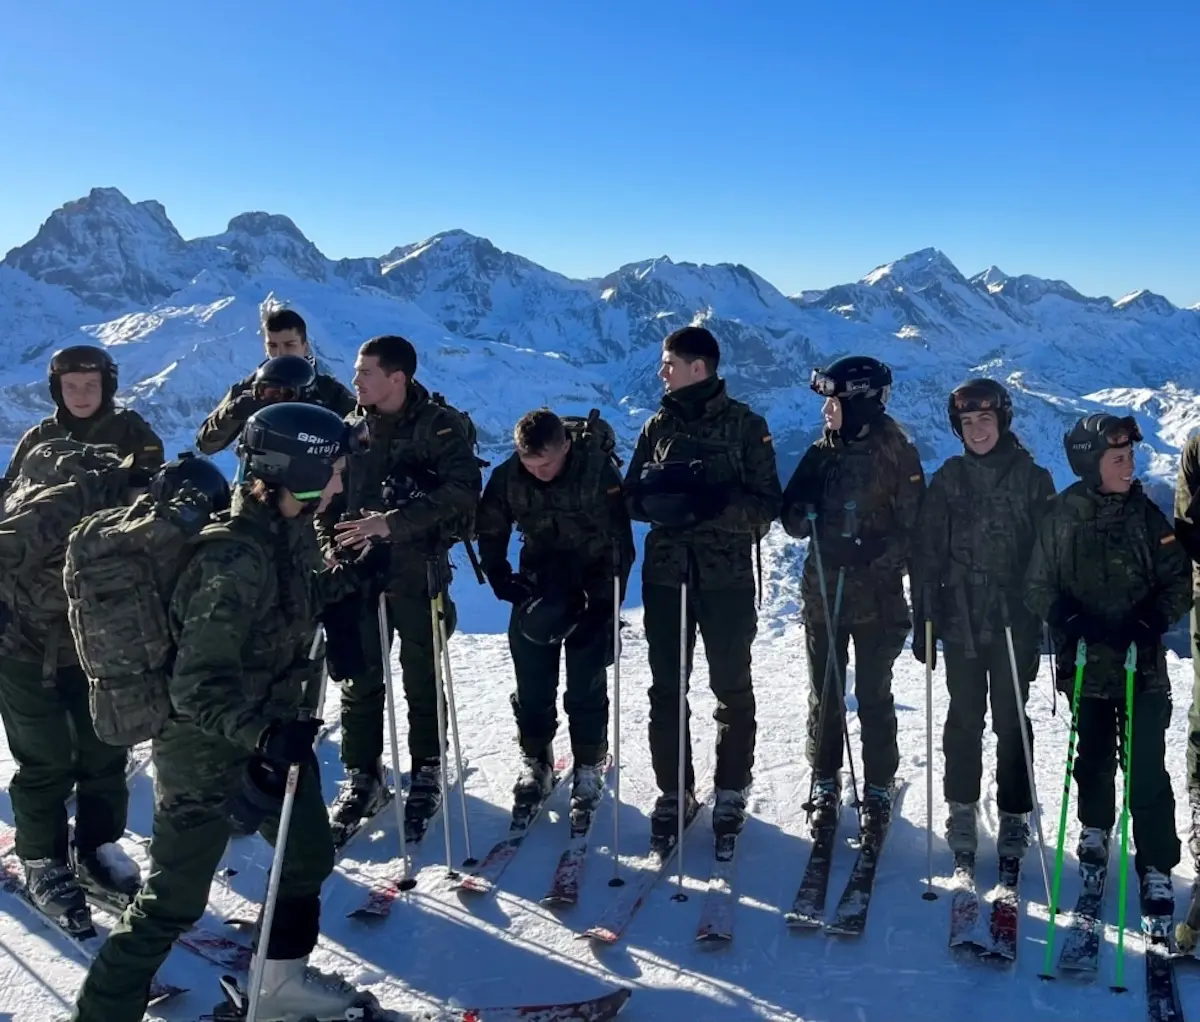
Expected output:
{"points": [[850, 916], [564, 887], [1081, 947], [1006, 910], [88, 941], [647, 870], [717, 912], [484, 877], [965, 929], [808, 907], [1162, 992], [603, 1008]]}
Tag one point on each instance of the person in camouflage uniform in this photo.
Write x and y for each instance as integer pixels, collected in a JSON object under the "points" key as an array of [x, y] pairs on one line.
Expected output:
{"points": [[1108, 569], [43, 690], [284, 333], [83, 385], [404, 497], [863, 479], [703, 475], [1187, 528], [242, 614], [565, 497], [974, 536]]}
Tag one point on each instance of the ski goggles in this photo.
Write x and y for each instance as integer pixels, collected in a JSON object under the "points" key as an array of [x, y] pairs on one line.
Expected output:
{"points": [[975, 401], [825, 385], [273, 393], [1122, 432]]}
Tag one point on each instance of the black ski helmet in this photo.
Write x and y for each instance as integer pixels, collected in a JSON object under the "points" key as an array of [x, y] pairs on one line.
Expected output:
{"points": [[547, 619], [83, 358], [285, 378], [1094, 434], [979, 395], [862, 386], [295, 446], [197, 473]]}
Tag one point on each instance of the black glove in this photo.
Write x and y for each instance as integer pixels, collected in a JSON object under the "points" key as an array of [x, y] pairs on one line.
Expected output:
{"points": [[918, 646], [290, 742], [259, 796], [511, 588], [1069, 617], [854, 551]]}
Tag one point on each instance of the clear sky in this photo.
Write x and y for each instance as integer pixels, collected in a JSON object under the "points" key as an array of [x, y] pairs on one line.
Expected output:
{"points": [[810, 141]]}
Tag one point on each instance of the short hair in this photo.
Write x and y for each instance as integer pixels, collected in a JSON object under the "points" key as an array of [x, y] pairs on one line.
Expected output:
{"points": [[694, 342], [537, 430], [395, 354], [286, 319]]}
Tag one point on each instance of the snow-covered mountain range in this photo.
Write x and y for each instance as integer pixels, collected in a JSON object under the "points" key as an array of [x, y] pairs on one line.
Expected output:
{"points": [[499, 334]]}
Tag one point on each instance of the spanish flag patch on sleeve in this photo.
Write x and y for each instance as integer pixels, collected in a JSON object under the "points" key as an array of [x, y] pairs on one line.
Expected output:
{"points": [[1168, 538]]}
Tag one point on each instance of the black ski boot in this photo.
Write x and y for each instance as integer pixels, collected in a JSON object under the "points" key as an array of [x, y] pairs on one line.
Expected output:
{"points": [[533, 785], [56, 893], [875, 815], [1158, 894], [362, 795], [825, 805], [729, 812], [108, 875], [587, 789], [424, 798], [664, 820]]}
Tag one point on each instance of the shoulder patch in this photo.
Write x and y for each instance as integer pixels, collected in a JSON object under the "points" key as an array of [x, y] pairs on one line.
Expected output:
{"points": [[1168, 538], [767, 439], [614, 490], [152, 447], [914, 479], [444, 432]]}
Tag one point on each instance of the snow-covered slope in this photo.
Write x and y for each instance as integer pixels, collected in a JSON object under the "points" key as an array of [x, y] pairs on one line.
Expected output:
{"points": [[499, 334]]}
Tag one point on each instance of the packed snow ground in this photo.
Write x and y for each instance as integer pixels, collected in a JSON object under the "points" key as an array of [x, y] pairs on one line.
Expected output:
{"points": [[439, 946]]}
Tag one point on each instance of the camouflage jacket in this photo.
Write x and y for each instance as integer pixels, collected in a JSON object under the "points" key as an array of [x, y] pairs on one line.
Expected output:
{"points": [[33, 545], [568, 525], [243, 615], [1187, 504], [225, 423], [123, 428], [428, 445], [1109, 554], [974, 536], [702, 421], [881, 473]]}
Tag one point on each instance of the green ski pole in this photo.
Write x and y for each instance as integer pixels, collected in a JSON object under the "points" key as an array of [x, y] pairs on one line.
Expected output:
{"points": [[1118, 986], [1080, 661]]}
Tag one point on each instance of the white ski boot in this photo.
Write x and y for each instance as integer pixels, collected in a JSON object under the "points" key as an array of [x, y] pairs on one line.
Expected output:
{"points": [[293, 991]]}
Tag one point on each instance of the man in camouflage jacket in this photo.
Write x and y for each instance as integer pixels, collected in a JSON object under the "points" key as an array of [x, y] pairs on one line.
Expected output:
{"points": [[1107, 569], [83, 384], [284, 333], [564, 496], [974, 537], [407, 497], [703, 474]]}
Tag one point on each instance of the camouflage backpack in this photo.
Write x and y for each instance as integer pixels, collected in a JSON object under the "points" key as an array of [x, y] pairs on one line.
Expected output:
{"points": [[587, 429], [63, 460], [121, 568]]}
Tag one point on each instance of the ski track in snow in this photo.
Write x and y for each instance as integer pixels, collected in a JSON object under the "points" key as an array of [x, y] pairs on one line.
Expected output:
{"points": [[438, 946]]}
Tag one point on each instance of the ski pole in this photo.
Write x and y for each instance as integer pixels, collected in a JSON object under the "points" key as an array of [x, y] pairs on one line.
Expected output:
{"points": [[435, 605], [1023, 720], [1080, 661], [1118, 986], [848, 530], [406, 883], [312, 655], [616, 880], [681, 815], [452, 706], [930, 653], [268, 917]]}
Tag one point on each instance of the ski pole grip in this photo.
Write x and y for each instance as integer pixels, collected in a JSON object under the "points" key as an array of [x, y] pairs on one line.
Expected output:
{"points": [[1004, 615], [851, 522], [431, 579], [1080, 653], [1131, 657]]}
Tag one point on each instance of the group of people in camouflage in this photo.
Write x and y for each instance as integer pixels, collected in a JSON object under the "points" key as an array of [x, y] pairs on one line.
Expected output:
{"points": [[346, 500]]}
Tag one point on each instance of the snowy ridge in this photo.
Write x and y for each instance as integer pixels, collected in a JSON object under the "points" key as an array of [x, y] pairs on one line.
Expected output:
{"points": [[499, 334]]}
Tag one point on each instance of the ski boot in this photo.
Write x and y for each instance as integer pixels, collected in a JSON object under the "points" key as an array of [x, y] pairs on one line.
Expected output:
{"points": [[55, 892], [587, 789], [292, 990], [962, 834], [424, 798], [875, 816], [1158, 901], [825, 806], [664, 820], [362, 795], [107, 875], [729, 812], [1013, 838], [1092, 853], [532, 787]]}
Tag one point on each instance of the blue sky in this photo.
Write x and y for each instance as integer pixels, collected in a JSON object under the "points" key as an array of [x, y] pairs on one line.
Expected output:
{"points": [[808, 141]]}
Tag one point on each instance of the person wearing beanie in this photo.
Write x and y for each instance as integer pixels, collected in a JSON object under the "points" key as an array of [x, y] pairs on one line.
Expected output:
{"points": [[408, 498], [855, 494], [1107, 570], [703, 475], [83, 386], [974, 538]]}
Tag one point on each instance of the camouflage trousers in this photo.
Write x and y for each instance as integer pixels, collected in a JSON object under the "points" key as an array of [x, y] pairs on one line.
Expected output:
{"points": [[50, 735], [364, 698], [195, 775], [728, 622]]}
